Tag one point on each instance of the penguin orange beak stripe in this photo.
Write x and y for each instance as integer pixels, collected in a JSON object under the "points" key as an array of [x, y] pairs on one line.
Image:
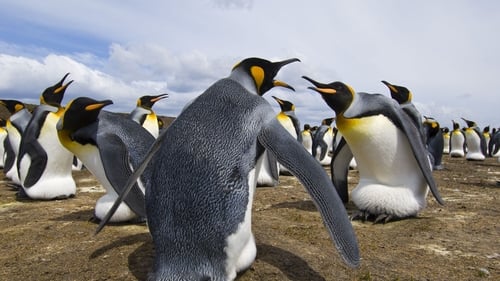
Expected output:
{"points": [[96, 106], [277, 83], [163, 96], [326, 90], [58, 90]]}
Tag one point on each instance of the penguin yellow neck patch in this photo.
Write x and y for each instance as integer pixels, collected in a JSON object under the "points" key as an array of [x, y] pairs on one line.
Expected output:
{"points": [[258, 76]]}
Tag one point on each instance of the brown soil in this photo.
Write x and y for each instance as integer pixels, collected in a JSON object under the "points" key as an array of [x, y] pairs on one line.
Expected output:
{"points": [[54, 240]]}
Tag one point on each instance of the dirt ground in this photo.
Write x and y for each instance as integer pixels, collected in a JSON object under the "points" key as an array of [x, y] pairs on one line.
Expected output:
{"points": [[54, 240]]}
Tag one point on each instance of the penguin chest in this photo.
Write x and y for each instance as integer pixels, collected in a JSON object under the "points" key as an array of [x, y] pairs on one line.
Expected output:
{"points": [[307, 141], [151, 124], [287, 123], [382, 151], [59, 159]]}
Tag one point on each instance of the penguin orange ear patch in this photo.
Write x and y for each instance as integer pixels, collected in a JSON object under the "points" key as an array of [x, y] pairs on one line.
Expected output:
{"points": [[258, 76]]}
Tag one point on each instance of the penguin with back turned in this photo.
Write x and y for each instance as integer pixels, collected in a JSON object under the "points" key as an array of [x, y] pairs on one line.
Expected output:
{"points": [[475, 142], [17, 122], [144, 114], [394, 170], [457, 141], [44, 165], [199, 213], [434, 141], [110, 145]]}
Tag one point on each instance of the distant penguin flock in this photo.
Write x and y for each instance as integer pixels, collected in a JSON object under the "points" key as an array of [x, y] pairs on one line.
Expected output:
{"points": [[194, 181]]}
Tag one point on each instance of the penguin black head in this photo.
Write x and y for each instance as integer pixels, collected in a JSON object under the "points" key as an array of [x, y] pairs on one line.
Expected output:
{"points": [[431, 126], [399, 93], [263, 72], [12, 106], [445, 130], [470, 124], [53, 95], [307, 127], [337, 95], [486, 129], [456, 126], [285, 105], [148, 101], [327, 121], [81, 112]]}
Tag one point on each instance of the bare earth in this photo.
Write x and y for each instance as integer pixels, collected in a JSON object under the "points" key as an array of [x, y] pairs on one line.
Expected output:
{"points": [[54, 240]]}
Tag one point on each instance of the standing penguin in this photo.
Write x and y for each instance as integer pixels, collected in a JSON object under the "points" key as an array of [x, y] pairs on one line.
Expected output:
{"points": [[394, 171], [307, 140], [323, 142], [290, 122], [475, 142], [445, 132], [144, 114], [457, 141], [199, 212], [487, 138], [110, 146], [44, 165], [404, 97], [434, 142], [3, 137], [17, 122]]}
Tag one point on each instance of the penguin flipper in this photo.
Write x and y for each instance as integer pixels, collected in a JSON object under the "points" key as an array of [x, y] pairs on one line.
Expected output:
{"points": [[10, 155], [273, 166], [339, 168], [115, 160], [420, 153], [38, 163], [293, 156], [132, 179]]}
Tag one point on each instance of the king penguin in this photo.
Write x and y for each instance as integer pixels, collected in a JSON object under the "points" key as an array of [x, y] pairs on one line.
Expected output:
{"points": [[404, 97], [307, 140], [445, 131], [290, 122], [475, 142], [394, 169], [110, 145], [3, 137], [17, 122], [457, 141], [434, 142], [323, 142], [199, 212], [144, 114], [44, 165], [487, 138]]}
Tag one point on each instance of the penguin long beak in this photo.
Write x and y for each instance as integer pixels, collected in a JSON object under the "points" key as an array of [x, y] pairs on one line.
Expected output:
{"points": [[285, 62], [60, 87], [98, 105], [282, 84], [390, 86], [278, 100], [314, 82], [159, 97]]}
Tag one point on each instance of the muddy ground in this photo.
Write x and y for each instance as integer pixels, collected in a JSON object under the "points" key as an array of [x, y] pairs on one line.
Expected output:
{"points": [[54, 240]]}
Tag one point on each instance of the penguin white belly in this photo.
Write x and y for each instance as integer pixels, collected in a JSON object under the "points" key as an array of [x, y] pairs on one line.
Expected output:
{"points": [[473, 142], [264, 175], [457, 144], [151, 125], [446, 141], [307, 142], [3, 135], [15, 140], [91, 158], [390, 179], [241, 249], [57, 179], [287, 123]]}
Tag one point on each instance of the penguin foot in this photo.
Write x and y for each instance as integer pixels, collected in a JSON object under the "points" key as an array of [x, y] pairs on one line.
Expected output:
{"points": [[364, 215]]}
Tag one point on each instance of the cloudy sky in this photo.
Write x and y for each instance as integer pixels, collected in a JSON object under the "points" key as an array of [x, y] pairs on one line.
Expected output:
{"points": [[446, 51]]}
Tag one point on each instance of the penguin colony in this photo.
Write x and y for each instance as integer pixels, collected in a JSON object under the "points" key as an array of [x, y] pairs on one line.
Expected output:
{"points": [[196, 190]]}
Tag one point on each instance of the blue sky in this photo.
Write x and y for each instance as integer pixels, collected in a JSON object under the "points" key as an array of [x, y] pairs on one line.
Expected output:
{"points": [[447, 52]]}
